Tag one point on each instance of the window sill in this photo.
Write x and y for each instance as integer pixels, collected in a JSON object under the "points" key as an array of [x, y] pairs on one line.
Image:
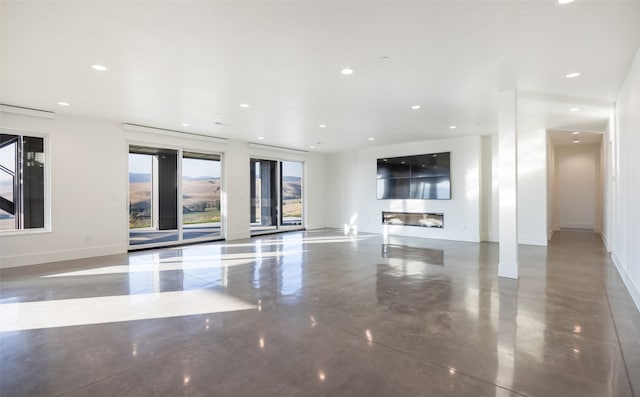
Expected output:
{"points": [[24, 232]]}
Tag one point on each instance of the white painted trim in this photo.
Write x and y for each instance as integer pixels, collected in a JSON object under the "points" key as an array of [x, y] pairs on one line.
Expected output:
{"points": [[21, 232], [48, 204], [61, 255], [174, 133], [532, 240], [277, 148], [45, 114], [570, 225], [633, 289]]}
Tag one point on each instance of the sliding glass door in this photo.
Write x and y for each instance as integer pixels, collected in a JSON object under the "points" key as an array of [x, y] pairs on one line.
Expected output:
{"points": [[153, 196], [156, 194], [291, 188], [264, 196], [276, 196], [200, 196]]}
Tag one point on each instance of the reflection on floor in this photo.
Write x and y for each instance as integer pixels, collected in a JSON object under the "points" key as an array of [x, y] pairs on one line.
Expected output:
{"points": [[322, 313]]}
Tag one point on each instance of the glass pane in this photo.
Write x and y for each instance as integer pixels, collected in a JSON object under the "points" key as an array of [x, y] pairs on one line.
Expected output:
{"points": [[32, 179], [6, 186], [7, 221], [7, 171], [291, 193], [140, 190], [264, 196], [8, 157], [200, 198], [7, 178]]}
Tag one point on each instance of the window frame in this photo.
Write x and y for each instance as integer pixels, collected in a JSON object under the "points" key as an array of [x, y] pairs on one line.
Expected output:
{"points": [[180, 150], [47, 182]]}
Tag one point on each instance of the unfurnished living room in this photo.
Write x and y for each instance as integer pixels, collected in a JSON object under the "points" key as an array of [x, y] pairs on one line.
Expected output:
{"points": [[320, 198]]}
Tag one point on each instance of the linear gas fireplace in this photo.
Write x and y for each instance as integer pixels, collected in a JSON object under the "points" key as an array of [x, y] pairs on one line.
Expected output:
{"points": [[422, 219]]}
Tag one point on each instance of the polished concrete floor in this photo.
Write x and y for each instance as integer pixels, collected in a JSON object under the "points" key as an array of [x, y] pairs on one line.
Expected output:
{"points": [[321, 313]]}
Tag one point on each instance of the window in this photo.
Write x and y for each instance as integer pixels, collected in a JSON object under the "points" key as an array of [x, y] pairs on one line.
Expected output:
{"points": [[291, 184], [276, 195], [166, 207], [201, 188], [22, 182]]}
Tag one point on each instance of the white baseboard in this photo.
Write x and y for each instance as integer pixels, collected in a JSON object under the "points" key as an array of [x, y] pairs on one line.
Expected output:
{"points": [[532, 240], [62, 255], [633, 289], [571, 225]]}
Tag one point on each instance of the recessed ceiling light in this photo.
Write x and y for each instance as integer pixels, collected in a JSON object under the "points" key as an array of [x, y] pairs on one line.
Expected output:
{"points": [[244, 105], [322, 126], [452, 127], [347, 71], [574, 109], [186, 124], [576, 141], [99, 68], [385, 58], [573, 75], [565, 1], [575, 132], [312, 147], [260, 137], [416, 107], [371, 138], [63, 104]]}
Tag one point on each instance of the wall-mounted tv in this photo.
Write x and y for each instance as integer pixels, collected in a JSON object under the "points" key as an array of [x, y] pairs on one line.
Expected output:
{"points": [[423, 177]]}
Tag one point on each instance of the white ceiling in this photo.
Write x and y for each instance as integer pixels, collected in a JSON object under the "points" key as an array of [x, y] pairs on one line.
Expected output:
{"points": [[196, 62], [566, 138]]}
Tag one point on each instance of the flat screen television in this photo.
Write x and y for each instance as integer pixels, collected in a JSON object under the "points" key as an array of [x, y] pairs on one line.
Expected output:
{"points": [[421, 177]]}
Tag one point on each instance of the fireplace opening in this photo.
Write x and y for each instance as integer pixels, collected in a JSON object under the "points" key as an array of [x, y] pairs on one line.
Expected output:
{"points": [[421, 219]]}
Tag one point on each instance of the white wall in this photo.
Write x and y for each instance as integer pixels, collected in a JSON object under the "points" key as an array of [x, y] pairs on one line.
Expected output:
{"points": [[608, 201], [89, 184], [489, 197], [88, 201], [553, 222], [578, 187], [341, 194], [532, 187], [623, 177], [352, 176]]}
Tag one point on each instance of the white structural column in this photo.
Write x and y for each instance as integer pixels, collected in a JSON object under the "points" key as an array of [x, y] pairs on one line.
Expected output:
{"points": [[508, 186]]}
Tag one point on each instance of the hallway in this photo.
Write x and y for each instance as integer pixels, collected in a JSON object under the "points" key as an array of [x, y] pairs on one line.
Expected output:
{"points": [[321, 313]]}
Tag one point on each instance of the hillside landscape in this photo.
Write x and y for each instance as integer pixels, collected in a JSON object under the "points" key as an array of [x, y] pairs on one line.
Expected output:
{"points": [[201, 200]]}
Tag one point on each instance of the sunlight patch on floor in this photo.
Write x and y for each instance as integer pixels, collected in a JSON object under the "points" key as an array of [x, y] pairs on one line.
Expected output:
{"points": [[111, 309], [154, 264]]}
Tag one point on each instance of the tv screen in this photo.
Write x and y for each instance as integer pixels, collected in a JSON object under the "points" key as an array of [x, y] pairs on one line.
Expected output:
{"points": [[422, 177]]}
